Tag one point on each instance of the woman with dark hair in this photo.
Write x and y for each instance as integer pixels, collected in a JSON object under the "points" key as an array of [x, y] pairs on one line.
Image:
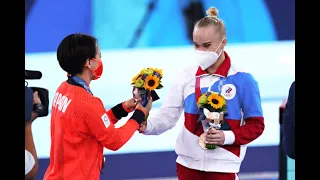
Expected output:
{"points": [[80, 125]]}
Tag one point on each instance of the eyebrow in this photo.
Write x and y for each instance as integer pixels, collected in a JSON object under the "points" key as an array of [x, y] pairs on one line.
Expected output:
{"points": [[208, 42]]}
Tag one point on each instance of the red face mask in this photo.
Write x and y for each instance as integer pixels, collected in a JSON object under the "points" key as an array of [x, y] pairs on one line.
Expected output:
{"points": [[98, 72]]}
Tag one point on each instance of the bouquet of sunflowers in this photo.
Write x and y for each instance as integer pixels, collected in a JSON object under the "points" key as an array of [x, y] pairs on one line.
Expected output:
{"points": [[214, 106], [145, 83]]}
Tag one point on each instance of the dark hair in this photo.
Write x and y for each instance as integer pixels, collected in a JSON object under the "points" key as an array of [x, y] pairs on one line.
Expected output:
{"points": [[74, 50], [212, 19]]}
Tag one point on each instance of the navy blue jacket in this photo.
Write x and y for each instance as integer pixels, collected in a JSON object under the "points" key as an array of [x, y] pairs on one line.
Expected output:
{"points": [[288, 124], [28, 103]]}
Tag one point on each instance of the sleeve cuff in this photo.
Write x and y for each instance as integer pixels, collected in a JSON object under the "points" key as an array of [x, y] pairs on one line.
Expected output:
{"points": [[138, 116], [119, 111], [229, 137]]}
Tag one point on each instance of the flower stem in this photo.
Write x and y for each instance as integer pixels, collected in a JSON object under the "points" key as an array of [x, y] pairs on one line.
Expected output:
{"points": [[211, 146]]}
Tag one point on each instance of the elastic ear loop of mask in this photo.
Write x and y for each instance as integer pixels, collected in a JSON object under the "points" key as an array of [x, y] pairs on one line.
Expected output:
{"points": [[70, 74]]}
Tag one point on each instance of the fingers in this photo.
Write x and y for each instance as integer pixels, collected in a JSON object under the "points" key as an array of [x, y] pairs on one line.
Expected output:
{"points": [[215, 142], [36, 98], [213, 139], [136, 101], [138, 105], [147, 107], [212, 131], [143, 109], [142, 129], [133, 100], [213, 136], [143, 123], [143, 126], [149, 102]]}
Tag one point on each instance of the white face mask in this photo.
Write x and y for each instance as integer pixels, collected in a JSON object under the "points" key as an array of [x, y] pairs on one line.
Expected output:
{"points": [[207, 58]]}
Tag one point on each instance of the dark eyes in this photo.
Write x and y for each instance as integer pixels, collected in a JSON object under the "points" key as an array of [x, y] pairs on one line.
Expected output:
{"points": [[205, 45]]}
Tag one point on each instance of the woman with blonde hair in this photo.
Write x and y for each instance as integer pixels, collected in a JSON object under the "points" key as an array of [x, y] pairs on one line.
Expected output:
{"points": [[243, 123]]}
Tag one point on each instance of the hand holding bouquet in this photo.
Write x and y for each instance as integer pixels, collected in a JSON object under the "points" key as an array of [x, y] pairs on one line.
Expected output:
{"points": [[213, 106]]}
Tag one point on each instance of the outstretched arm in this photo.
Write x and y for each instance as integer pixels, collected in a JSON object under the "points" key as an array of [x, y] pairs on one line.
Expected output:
{"points": [[121, 110], [100, 126], [169, 112]]}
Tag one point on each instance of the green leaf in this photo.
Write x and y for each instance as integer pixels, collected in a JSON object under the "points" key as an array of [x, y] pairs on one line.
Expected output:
{"points": [[210, 108], [160, 86], [142, 91]]}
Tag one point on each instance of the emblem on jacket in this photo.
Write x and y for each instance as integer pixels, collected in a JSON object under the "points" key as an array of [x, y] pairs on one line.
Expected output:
{"points": [[105, 120], [228, 91]]}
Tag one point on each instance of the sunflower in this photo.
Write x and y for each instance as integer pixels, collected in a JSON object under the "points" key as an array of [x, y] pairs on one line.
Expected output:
{"points": [[216, 101], [152, 82], [134, 79]]}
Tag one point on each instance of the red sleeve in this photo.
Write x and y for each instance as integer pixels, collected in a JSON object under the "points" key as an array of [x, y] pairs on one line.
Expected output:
{"points": [[100, 126], [250, 131], [117, 112], [252, 113], [111, 116]]}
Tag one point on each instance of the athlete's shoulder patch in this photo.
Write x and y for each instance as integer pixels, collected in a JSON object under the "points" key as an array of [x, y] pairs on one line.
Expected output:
{"points": [[105, 120]]}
